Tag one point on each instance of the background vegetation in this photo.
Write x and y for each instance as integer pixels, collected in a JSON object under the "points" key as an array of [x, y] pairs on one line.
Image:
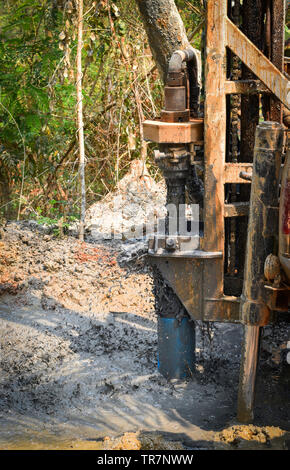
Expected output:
{"points": [[38, 145]]}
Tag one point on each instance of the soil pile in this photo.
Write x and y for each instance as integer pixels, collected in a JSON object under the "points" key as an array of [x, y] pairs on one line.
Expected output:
{"points": [[235, 434], [138, 199], [140, 441]]}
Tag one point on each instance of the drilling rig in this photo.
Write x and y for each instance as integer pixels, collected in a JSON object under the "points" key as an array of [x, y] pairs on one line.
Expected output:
{"points": [[227, 157]]}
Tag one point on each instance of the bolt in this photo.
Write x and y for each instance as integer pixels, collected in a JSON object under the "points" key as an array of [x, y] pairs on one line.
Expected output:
{"points": [[170, 244]]}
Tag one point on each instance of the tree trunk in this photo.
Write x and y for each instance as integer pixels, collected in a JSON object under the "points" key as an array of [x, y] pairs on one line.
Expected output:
{"points": [[80, 120], [165, 30]]}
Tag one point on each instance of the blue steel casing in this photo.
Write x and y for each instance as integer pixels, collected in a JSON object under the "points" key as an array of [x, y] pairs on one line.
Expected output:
{"points": [[176, 347]]}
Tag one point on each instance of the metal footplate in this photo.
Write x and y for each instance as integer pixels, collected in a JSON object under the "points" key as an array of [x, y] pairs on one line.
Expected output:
{"points": [[179, 246]]}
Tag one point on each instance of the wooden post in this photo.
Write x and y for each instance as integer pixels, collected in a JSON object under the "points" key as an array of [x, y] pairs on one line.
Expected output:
{"points": [[248, 373], [215, 142]]}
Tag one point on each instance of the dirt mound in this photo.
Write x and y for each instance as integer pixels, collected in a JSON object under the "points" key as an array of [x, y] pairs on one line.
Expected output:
{"points": [[8, 258], [137, 200], [69, 274], [262, 435], [140, 441]]}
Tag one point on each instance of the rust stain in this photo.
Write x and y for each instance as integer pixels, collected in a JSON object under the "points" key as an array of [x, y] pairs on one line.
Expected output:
{"points": [[100, 255]]}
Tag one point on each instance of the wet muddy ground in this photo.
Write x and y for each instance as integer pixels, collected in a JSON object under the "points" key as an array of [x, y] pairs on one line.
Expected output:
{"points": [[79, 357]]}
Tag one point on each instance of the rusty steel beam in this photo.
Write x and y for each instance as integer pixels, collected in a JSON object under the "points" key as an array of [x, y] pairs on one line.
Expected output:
{"points": [[215, 145], [277, 52], [232, 173], [225, 309], [215, 125], [255, 60], [245, 87], [237, 209], [184, 277], [252, 26], [233, 149]]}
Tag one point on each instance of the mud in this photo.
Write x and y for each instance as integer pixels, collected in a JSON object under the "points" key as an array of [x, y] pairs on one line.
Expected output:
{"points": [[79, 356]]}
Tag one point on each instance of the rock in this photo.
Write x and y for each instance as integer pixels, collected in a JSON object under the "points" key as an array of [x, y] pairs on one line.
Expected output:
{"points": [[132, 251], [50, 266]]}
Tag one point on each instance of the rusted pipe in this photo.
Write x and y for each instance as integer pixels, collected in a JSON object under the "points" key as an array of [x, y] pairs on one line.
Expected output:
{"points": [[176, 79], [176, 61], [262, 234], [263, 219], [246, 176], [178, 57]]}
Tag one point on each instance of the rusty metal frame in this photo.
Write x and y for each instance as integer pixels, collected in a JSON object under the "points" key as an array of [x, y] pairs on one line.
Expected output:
{"points": [[197, 276], [258, 63], [210, 302], [245, 87], [215, 151], [222, 33]]}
